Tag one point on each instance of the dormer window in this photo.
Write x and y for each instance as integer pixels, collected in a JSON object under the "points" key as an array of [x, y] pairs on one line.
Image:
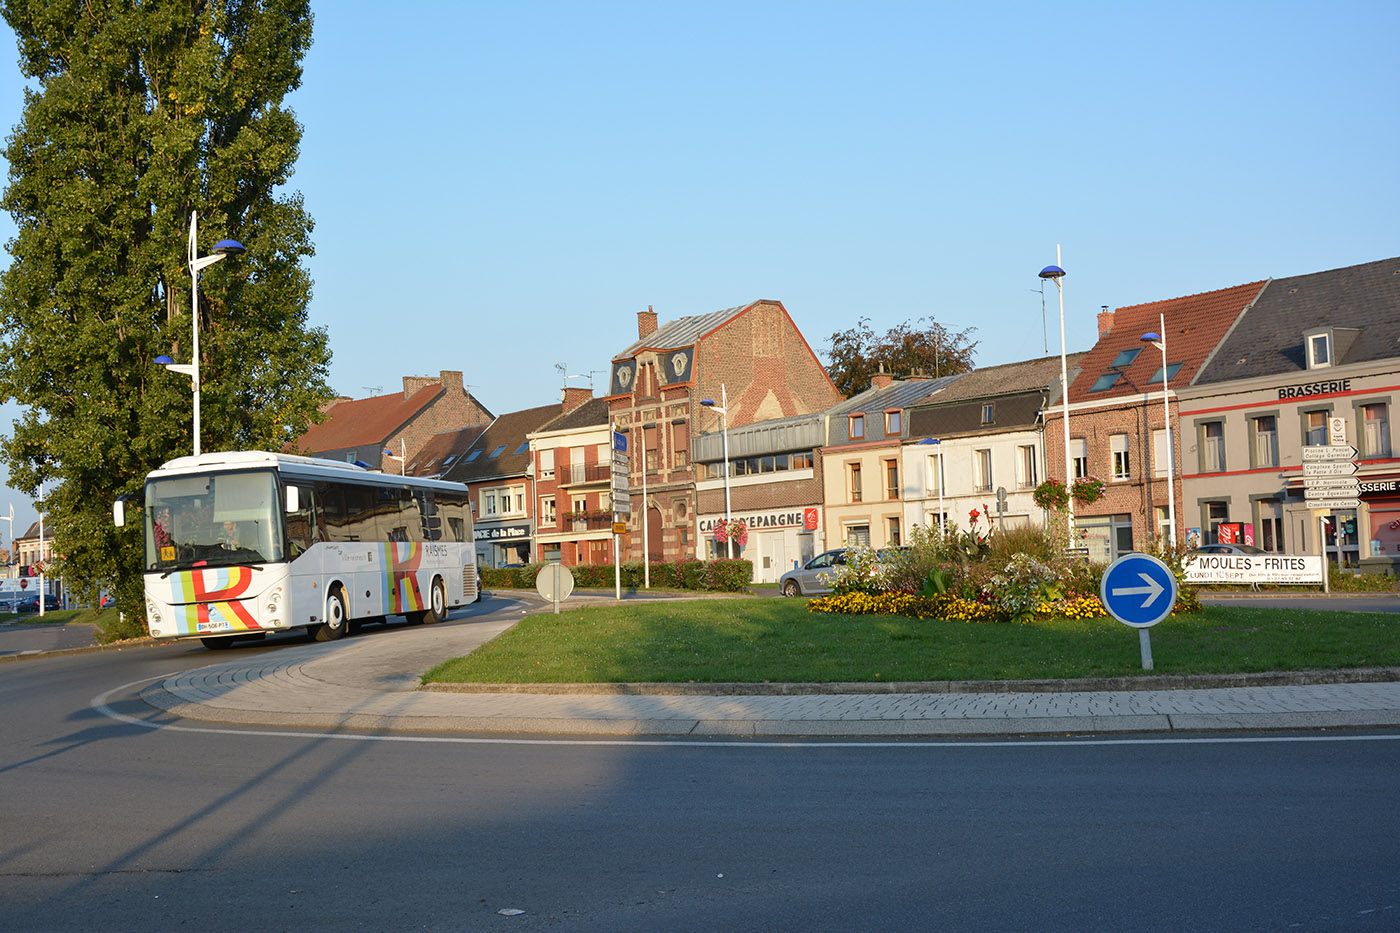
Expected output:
{"points": [[988, 413], [1319, 350], [857, 431]]}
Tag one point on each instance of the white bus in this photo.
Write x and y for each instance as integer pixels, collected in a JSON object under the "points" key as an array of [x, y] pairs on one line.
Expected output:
{"points": [[250, 542]]}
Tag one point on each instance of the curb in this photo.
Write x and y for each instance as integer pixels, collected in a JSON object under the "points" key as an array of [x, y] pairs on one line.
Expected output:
{"points": [[1366, 675]]}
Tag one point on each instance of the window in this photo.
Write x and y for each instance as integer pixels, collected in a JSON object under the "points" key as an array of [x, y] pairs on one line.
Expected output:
{"points": [[1314, 428], [1271, 524], [934, 476], [857, 427], [854, 479], [1171, 374], [1319, 350], [1125, 358], [891, 479], [524, 446], [1106, 381], [680, 444], [1212, 443], [982, 470], [1161, 459], [857, 536], [893, 424], [1216, 512], [1265, 447], [801, 461], [498, 451], [488, 504], [1164, 525], [988, 411], [1079, 454], [547, 518], [1375, 430], [892, 532], [547, 463], [1122, 466], [1025, 466]]}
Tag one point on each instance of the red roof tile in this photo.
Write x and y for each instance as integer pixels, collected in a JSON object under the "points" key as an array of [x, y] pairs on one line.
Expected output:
{"points": [[1195, 325], [367, 421]]}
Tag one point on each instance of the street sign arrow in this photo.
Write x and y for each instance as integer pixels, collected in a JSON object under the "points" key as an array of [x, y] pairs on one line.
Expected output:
{"points": [[1332, 486], [1330, 468], [1329, 452], [1328, 505], [1152, 590]]}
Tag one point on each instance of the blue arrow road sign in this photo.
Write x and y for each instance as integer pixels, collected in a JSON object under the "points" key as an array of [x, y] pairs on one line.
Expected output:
{"points": [[1138, 590]]}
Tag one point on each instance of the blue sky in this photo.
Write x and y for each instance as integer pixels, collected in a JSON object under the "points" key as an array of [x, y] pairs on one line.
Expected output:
{"points": [[500, 187]]}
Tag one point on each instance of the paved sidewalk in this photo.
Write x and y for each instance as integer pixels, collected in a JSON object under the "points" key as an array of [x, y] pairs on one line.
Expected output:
{"points": [[357, 684]]}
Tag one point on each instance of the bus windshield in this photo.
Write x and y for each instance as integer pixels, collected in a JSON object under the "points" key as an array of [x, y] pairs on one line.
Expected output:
{"points": [[213, 520]]}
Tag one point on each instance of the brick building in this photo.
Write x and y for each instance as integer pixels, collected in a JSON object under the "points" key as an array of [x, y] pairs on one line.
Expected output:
{"points": [[361, 429], [499, 477], [1117, 423], [752, 355], [572, 457]]}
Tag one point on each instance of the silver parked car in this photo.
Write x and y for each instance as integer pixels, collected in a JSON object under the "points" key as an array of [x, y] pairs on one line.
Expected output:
{"points": [[814, 578]]}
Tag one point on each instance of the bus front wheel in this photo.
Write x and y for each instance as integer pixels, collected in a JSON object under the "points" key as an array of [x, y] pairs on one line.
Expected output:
{"points": [[437, 603], [335, 625]]}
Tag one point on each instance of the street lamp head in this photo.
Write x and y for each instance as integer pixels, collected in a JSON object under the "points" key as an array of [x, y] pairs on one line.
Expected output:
{"points": [[164, 360], [227, 248], [1052, 272], [389, 453], [931, 440], [708, 402], [1154, 339]]}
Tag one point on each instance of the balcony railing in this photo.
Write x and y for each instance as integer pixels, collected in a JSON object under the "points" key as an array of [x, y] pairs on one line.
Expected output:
{"points": [[578, 474]]}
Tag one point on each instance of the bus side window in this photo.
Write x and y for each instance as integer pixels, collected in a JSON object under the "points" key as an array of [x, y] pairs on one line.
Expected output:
{"points": [[303, 525]]}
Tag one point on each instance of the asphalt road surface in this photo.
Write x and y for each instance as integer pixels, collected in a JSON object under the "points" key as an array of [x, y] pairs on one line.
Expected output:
{"points": [[182, 825]]}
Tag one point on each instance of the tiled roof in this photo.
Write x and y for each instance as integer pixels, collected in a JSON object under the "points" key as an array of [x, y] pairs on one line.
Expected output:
{"points": [[441, 449], [986, 381], [1195, 325], [502, 449], [591, 413], [367, 421], [683, 332], [1269, 339]]}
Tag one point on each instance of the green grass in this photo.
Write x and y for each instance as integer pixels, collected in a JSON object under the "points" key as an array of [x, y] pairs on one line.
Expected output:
{"points": [[50, 617], [777, 640]]}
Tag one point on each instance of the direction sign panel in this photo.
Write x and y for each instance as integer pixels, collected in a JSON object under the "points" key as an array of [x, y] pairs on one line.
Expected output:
{"points": [[1332, 487], [1138, 590], [1329, 468], [1330, 504], [1329, 452]]}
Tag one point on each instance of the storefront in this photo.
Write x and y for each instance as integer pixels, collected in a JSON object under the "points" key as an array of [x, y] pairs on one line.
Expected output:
{"points": [[776, 541], [502, 545], [1381, 500]]}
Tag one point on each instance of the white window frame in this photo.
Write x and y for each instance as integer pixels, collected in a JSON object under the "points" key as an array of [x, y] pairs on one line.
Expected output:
{"points": [[1079, 455], [1120, 458], [1026, 472], [1160, 455], [1315, 341], [982, 469]]}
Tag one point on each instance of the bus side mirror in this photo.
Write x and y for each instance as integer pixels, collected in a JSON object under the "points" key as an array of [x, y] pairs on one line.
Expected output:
{"points": [[293, 499], [119, 512]]}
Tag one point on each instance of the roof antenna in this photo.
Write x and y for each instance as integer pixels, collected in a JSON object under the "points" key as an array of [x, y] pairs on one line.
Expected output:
{"points": [[373, 390]]}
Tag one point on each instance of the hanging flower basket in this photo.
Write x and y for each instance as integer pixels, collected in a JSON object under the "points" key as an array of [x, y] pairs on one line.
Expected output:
{"points": [[1051, 495], [1088, 490], [735, 530]]}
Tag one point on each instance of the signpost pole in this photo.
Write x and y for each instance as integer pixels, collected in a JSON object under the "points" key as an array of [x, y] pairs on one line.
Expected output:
{"points": [[1145, 643], [1322, 552]]}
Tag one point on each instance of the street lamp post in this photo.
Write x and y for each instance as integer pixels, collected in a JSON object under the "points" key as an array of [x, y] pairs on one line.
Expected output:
{"points": [[723, 409], [1056, 273], [402, 457], [1160, 342], [196, 263]]}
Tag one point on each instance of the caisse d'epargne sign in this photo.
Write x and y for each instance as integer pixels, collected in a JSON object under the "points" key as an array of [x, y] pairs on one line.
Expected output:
{"points": [[1253, 568]]}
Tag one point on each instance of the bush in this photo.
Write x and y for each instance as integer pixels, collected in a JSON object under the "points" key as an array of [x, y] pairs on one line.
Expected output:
{"points": [[725, 575]]}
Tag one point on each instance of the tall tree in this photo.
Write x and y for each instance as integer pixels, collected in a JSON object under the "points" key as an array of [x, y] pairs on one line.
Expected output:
{"points": [[139, 113], [922, 346]]}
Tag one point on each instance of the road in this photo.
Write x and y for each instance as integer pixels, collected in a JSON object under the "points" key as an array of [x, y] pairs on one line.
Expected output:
{"points": [[193, 825]]}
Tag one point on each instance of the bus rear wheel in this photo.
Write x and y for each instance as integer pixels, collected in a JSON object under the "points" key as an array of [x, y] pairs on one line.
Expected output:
{"points": [[336, 623], [217, 644]]}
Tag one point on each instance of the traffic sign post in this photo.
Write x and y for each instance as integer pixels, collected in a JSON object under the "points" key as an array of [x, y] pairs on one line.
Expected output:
{"points": [[1139, 591], [1329, 472]]}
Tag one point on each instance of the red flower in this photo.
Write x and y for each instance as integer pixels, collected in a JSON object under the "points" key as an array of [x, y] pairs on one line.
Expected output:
{"points": [[973, 515]]}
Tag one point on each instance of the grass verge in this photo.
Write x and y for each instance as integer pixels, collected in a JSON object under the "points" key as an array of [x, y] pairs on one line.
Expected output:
{"points": [[778, 641]]}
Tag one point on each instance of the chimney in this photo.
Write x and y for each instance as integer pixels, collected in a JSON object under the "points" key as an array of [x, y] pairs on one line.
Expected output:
{"points": [[574, 397], [646, 323], [1105, 321], [882, 379]]}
